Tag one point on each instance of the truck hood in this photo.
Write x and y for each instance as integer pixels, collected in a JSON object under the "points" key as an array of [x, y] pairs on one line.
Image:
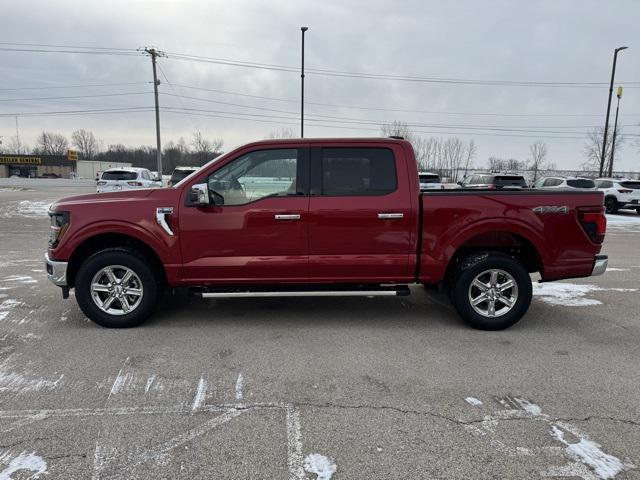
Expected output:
{"points": [[102, 198]]}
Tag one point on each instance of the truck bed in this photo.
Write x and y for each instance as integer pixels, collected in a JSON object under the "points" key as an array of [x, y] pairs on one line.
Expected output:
{"points": [[543, 225]]}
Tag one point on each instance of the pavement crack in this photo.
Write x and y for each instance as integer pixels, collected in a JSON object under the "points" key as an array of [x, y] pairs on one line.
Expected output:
{"points": [[404, 411], [588, 418]]}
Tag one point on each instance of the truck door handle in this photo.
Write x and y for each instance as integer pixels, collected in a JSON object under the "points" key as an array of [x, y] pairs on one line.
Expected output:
{"points": [[288, 216], [390, 216]]}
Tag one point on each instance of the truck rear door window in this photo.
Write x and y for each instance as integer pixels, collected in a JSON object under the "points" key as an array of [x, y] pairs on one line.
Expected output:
{"points": [[358, 171]]}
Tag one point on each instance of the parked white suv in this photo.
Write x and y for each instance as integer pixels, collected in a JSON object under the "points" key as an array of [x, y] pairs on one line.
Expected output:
{"points": [[565, 183], [131, 178], [619, 193], [432, 181]]}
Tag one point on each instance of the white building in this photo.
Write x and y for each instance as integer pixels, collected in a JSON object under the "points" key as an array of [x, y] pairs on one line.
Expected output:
{"points": [[91, 169]]}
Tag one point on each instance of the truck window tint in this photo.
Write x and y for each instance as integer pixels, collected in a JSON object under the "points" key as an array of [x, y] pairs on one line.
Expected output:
{"points": [[358, 171], [119, 175], [256, 175], [581, 183]]}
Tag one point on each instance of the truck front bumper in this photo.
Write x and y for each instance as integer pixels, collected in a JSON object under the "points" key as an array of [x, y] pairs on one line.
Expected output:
{"points": [[600, 265], [56, 271]]}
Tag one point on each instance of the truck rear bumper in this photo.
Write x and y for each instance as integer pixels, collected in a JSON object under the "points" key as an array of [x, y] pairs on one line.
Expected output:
{"points": [[600, 265], [56, 271]]}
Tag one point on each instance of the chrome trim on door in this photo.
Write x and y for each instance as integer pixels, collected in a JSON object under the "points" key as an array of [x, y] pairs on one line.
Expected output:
{"points": [[292, 216], [390, 216]]}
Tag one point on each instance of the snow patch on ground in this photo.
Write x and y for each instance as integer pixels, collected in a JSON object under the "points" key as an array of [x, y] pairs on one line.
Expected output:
{"points": [[572, 294], [239, 386], [616, 269], [24, 461], [19, 279], [19, 382], [201, 391], [589, 452], [473, 401], [320, 465], [25, 208], [6, 306]]}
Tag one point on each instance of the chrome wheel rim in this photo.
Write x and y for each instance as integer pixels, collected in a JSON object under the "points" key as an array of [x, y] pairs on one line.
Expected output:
{"points": [[116, 290], [493, 293]]}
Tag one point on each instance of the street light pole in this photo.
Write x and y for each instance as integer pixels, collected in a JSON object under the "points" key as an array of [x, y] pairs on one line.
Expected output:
{"points": [[302, 29], [615, 130], [606, 122]]}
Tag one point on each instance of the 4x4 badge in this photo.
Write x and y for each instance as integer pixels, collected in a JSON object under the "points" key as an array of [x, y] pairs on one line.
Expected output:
{"points": [[559, 209]]}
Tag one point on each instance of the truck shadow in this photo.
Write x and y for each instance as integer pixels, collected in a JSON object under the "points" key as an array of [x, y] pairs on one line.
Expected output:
{"points": [[424, 309]]}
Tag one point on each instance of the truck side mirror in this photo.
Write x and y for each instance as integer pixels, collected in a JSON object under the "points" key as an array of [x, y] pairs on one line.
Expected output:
{"points": [[200, 196]]}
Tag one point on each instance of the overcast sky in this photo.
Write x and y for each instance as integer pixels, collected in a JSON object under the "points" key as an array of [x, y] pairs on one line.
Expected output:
{"points": [[534, 41]]}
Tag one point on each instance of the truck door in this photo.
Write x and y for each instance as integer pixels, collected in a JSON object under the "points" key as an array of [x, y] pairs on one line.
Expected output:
{"points": [[259, 234], [360, 217]]}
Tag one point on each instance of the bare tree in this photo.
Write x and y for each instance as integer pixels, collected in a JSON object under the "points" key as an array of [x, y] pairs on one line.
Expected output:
{"points": [[470, 153], [15, 145], [538, 161], [86, 143], [593, 148], [48, 143], [283, 133], [398, 129], [205, 148]]}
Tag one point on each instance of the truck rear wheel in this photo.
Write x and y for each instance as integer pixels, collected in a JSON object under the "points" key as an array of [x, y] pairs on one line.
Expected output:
{"points": [[116, 288], [491, 290]]}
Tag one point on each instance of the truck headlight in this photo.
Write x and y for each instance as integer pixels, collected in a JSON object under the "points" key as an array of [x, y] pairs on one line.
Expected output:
{"points": [[59, 225]]}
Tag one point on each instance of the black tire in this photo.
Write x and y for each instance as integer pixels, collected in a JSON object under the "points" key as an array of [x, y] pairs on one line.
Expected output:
{"points": [[151, 287], [474, 265], [611, 205], [638, 211]]}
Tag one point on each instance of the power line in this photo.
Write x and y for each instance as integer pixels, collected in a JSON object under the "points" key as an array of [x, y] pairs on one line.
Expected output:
{"points": [[91, 52], [88, 85], [397, 110], [122, 94], [367, 121], [66, 46], [379, 76]]}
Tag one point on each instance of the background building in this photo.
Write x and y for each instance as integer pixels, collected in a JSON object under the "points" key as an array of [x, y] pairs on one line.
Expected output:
{"points": [[54, 166]]}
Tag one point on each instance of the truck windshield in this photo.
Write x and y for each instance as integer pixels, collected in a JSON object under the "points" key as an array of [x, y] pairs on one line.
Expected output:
{"points": [[581, 183], [119, 175], [510, 181]]}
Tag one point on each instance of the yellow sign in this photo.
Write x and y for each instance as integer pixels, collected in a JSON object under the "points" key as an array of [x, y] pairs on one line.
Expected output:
{"points": [[72, 155], [23, 160], [619, 91]]}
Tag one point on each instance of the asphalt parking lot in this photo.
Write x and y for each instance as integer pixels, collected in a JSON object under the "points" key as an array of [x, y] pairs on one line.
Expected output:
{"points": [[342, 388]]}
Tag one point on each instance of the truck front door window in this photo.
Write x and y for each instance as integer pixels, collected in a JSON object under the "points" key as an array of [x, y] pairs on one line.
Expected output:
{"points": [[257, 175]]}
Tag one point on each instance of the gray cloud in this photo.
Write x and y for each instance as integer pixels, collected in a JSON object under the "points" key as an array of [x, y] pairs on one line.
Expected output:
{"points": [[495, 40]]}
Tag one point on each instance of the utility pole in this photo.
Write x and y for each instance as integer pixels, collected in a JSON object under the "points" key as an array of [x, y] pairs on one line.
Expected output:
{"points": [[302, 29], [153, 53], [606, 122], [615, 131]]}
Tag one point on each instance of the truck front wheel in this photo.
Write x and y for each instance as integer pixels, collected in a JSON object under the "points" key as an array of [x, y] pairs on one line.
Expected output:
{"points": [[491, 290], [116, 288]]}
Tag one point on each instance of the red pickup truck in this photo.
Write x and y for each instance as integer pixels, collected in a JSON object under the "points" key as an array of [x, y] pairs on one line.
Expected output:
{"points": [[320, 217]]}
